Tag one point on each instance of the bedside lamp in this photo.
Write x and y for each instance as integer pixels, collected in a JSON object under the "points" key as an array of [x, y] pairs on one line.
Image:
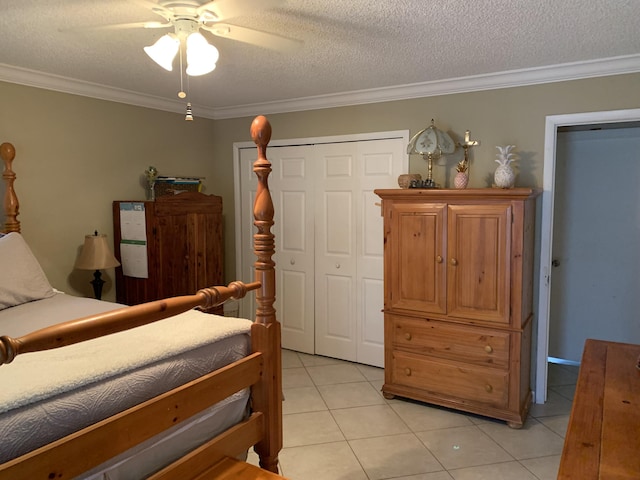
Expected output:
{"points": [[96, 255]]}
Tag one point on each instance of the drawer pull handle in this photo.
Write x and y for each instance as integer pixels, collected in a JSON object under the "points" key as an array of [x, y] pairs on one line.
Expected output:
{"points": [[439, 259], [488, 349], [407, 371], [454, 262], [488, 388], [407, 336]]}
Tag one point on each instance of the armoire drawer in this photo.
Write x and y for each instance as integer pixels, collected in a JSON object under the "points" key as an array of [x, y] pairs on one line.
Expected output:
{"points": [[463, 343], [476, 384]]}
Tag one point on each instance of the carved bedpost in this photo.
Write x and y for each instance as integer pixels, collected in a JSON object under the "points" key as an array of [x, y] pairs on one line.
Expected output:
{"points": [[11, 205], [265, 332]]}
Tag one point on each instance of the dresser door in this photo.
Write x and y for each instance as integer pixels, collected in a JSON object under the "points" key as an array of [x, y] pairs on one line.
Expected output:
{"points": [[478, 269], [416, 257]]}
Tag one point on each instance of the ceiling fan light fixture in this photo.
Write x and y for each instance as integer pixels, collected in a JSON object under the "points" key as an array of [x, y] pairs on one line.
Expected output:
{"points": [[201, 56], [164, 51]]}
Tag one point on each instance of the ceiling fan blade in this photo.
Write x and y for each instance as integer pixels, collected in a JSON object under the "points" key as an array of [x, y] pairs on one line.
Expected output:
{"points": [[254, 37], [225, 9], [118, 26]]}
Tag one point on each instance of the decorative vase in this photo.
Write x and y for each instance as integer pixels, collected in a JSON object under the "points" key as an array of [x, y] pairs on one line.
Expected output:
{"points": [[404, 180], [504, 177]]}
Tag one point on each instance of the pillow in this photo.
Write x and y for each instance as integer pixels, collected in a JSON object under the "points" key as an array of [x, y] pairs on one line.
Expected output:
{"points": [[21, 277]]}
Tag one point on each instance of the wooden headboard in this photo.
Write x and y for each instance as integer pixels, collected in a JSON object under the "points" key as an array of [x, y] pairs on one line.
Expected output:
{"points": [[10, 203]]}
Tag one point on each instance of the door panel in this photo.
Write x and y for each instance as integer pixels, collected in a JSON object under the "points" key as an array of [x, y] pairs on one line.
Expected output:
{"points": [[335, 260], [478, 272], [291, 187], [419, 233], [292, 184]]}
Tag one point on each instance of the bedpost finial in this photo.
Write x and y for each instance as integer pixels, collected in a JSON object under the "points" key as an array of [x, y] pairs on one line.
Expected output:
{"points": [[261, 131], [8, 152]]}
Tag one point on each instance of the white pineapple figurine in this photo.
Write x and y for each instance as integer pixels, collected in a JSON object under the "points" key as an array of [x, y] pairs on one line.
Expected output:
{"points": [[504, 176]]}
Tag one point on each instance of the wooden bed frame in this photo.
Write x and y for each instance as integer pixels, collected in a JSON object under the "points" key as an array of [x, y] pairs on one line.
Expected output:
{"points": [[261, 371]]}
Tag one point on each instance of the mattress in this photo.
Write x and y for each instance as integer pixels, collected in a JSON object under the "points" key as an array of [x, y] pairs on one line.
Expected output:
{"points": [[42, 410]]}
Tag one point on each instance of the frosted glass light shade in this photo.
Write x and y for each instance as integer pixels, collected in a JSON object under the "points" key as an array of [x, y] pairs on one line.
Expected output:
{"points": [[201, 56], [164, 51]]}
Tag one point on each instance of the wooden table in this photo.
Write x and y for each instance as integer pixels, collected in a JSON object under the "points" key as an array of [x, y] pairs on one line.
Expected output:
{"points": [[603, 437]]}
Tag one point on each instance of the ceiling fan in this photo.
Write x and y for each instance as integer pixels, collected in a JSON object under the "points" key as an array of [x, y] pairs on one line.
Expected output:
{"points": [[188, 17]]}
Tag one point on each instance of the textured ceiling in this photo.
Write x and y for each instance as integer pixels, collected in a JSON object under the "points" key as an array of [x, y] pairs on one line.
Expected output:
{"points": [[349, 45]]}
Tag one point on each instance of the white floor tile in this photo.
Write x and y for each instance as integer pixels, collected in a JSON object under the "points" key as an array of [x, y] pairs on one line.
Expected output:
{"points": [[296, 377], [531, 441], [329, 461], [332, 374], [392, 456], [309, 429], [369, 421], [421, 417], [345, 395], [461, 447], [497, 471], [302, 399], [544, 468]]}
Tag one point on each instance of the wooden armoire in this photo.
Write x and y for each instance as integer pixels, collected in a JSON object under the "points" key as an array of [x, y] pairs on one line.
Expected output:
{"points": [[458, 283], [184, 247]]}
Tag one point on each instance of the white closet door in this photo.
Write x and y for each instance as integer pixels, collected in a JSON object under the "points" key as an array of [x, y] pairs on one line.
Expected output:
{"points": [[335, 255], [380, 162], [292, 183], [291, 186], [329, 269]]}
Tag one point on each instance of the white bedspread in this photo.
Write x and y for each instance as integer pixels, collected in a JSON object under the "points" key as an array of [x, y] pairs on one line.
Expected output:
{"points": [[55, 371]]}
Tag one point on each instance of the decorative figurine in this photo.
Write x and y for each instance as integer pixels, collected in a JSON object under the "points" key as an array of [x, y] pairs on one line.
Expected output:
{"points": [[152, 175], [461, 179], [504, 177]]}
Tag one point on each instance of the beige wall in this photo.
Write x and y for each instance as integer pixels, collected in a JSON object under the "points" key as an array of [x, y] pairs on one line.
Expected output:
{"points": [[75, 155], [497, 117]]}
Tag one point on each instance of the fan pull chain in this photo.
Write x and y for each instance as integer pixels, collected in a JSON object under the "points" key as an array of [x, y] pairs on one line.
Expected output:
{"points": [[181, 93]]}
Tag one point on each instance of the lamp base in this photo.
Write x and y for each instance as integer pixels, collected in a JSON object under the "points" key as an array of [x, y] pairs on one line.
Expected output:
{"points": [[97, 283]]}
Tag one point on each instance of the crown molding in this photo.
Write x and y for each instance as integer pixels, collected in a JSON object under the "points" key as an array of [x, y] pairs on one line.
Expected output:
{"points": [[57, 83], [507, 79]]}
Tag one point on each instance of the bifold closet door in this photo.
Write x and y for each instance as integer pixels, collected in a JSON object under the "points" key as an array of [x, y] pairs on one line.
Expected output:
{"points": [[349, 247], [291, 186], [329, 243]]}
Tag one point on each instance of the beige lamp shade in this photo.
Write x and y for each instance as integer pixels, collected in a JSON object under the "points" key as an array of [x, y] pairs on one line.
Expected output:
{"points": [[96, 254]]}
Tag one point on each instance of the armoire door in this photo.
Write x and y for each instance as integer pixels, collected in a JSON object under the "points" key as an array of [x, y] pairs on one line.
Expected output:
{"points": [[478, 275], [419, 232]]}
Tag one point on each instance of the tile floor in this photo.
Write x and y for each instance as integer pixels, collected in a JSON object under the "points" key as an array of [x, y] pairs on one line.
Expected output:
{"points": [[338, 426]]}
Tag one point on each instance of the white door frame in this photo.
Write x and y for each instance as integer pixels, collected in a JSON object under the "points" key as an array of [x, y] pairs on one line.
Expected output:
{"points": [[237, 146], [546, 229]]}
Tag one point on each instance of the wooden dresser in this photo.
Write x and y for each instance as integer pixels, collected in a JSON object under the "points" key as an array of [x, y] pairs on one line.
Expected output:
{"points": [[458, 283], [184, 247], [603, 437]]}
